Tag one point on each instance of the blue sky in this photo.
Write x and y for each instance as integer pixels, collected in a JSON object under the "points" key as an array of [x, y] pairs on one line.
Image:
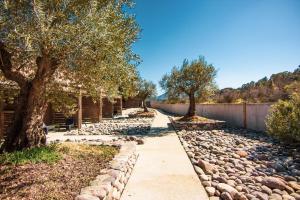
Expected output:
{"points": [[244, 39]]}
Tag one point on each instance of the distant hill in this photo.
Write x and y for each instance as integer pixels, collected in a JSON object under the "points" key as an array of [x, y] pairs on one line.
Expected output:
{"points": [[162, 97], [278, 86]]}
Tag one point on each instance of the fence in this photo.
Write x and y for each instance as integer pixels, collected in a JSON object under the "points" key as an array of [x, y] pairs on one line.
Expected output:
{"points": [[5, 121], [251, 116]]}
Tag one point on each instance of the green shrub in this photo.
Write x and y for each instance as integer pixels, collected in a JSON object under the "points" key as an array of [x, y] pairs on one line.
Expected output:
{"points": [[283, 121]]}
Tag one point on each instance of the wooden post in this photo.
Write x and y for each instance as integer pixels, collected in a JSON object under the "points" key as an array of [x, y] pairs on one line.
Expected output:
{"points": [[1, 120], [79, 117], [121, 105], [100, 106], [112, 108], [245, 114]]}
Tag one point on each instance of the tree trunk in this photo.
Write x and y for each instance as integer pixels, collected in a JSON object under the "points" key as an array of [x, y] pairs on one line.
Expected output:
{"points": [[145, 106], [26, 130], [192, 107]]}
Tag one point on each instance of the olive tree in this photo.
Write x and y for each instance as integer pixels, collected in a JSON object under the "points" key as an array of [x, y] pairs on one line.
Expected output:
{"points": [[193, 79], [48, 48], [146, 89]]}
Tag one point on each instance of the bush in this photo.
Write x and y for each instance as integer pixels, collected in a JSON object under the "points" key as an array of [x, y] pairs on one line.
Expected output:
{"points": [[283, 121]]}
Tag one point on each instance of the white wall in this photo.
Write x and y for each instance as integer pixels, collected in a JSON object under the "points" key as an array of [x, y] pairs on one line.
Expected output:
{"points": [[233, 114]]}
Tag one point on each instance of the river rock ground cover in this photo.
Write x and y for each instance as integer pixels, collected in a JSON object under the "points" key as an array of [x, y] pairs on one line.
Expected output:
{"points": [[123, 125], [242, 164], [57, 171]]}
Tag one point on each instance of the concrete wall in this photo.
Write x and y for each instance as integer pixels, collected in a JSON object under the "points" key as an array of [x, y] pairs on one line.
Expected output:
{"points": [[252, 115], [256, 115], [231, 113]]}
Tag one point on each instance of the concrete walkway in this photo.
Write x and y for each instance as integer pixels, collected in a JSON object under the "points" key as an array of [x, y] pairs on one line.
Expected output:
{"points": [[163, 170]]}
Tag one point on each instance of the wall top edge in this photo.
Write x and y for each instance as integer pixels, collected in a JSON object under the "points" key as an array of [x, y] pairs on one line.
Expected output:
{"points": [[213, 103]]}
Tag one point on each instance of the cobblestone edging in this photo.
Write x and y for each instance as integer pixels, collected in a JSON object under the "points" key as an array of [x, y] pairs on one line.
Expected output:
{"points": [[210, 125], [111, 182]]}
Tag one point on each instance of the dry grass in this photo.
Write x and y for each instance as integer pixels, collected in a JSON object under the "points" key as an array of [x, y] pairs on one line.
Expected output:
{"points": [[193, 119], [75, 149], [149, 114], [62, 179]]}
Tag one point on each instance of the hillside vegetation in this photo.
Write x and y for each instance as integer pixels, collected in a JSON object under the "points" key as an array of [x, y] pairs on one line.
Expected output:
{"points": [[278, 86]]}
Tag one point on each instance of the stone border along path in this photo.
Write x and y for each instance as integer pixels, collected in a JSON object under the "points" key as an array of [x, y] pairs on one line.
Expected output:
{"points": [[163, 170], [111, 182]]}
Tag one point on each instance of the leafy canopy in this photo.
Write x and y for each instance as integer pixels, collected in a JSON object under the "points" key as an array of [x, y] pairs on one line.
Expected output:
{"points": [[146, 89], [192, 78], [90, 40], [278, 86]]}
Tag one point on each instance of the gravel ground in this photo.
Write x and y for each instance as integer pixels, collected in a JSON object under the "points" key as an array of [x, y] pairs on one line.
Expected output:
{"points": [[122, 125], [240, 164]]}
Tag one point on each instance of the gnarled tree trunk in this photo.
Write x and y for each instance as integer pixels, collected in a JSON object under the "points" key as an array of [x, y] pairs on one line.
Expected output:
{"points": [[26, 130], [192, 107], [145, 106]]}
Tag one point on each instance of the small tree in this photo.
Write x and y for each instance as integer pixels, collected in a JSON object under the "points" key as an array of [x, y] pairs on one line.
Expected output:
{"points": [[146, 89], [193, 79]]}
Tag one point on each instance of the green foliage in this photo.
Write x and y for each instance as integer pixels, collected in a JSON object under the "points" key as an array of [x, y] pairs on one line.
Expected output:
{"points": [[146, 89], [47, 154], [283, 119], [90, 40], [52, 153], [294, 87], [278, 86], [66, 103], [196, 77]]}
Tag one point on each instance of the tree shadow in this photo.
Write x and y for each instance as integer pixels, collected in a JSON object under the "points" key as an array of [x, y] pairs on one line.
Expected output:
{"points": [[150, 132], [11, 183]]}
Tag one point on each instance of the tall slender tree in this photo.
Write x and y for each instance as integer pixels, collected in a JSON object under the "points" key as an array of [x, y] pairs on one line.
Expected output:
{"points": [[193, 79], [50, 46]]}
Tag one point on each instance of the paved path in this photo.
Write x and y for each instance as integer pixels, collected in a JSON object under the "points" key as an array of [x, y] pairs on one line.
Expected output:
{"points": [[163, 170]]}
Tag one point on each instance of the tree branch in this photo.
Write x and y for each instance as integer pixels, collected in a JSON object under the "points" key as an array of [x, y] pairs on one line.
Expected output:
{"points": [[46, 68], [6, 67]]}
